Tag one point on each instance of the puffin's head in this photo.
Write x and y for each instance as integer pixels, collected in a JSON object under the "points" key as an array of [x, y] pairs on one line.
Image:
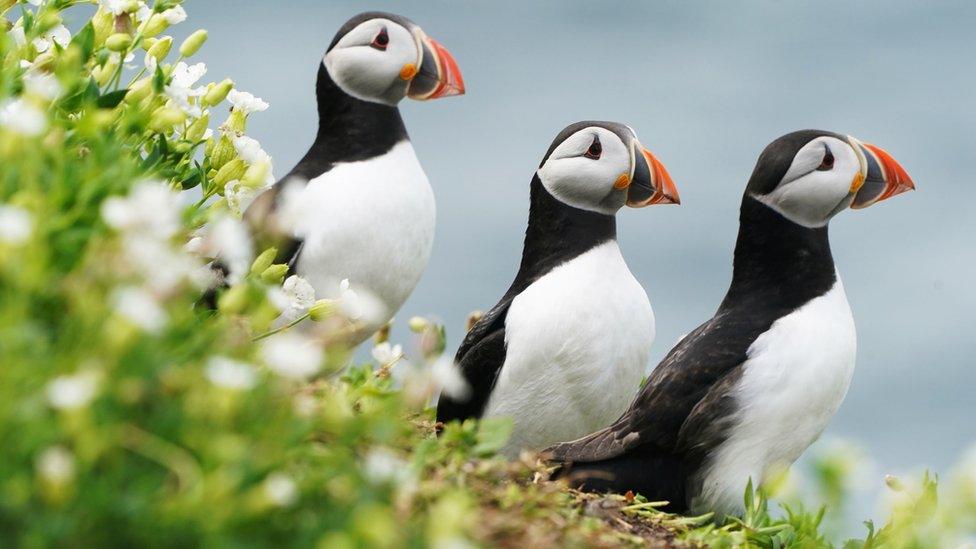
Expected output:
{"points": [[382, 58], [600, 166], [809, 176]]}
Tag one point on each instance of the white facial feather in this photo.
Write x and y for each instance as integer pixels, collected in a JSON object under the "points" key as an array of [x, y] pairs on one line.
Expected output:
{"points": [[583, 182], [368, 73], [811, 197]]}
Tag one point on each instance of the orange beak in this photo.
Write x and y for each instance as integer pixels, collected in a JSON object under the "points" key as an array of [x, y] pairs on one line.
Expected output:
{"points": [[650, 182], [438, 75], [880, 178]]}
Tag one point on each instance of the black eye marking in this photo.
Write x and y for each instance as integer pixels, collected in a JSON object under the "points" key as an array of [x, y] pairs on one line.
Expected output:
{"points": [[381, 41], [595, 150], [828, 161]]}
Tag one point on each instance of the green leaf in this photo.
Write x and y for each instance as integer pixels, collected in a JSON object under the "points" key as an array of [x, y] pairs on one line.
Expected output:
{"points": [[159, 80], [112, 99], [191, 181], [85, 40], [492, 435]]}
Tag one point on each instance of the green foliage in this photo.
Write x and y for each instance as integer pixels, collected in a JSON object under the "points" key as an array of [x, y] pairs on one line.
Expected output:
{"points": [[131, 416]]}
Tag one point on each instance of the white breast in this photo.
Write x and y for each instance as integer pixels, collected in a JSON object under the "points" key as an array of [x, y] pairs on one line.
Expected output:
{"points": [[795, 378], [371, 222], [577, 342]]}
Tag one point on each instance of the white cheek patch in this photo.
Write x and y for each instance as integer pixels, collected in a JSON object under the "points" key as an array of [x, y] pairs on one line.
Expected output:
{"points": [[582, 182], [367, 73], [808, 196]]}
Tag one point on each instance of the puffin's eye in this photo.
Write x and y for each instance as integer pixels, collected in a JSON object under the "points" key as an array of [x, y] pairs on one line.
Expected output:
{"points": [[381, 41], [595, 150], [828, 162]]}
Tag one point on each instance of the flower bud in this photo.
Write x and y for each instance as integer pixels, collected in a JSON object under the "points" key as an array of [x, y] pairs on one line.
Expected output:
{"points": [[230, 171], [156, 24], [139, 91], [160, 49], [264, 261], [322, 309], [193, 43], [130, 6], [104, 24], [45, 62], [118, 42], [275, 274], [383, 334], [417, 324], [48, 21], [164, 118], [237, 121], [196, 130], [123, 23], [105, 72], [222, 153], [894, 483], [473, 318], [256, 175], [233, 301], [218, 93]]}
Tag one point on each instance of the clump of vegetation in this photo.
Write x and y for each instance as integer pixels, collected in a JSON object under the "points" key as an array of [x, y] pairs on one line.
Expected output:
{"points": [[130, 416]]}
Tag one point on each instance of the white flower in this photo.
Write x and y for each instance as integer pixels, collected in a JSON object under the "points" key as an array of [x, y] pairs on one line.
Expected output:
{"points": [[246, 102], [385, 354], [20, 116], [17, 33], [174, 15], [181, 89], [294, 211], [250, 151], [16, 224], [291, 355], [227, 240], [382, 465], [238, 196], [300, 297], [139, 307], [447, 376], [72, 392], [59, 35], [151, 207], [42, 85], [116, 7], [56, 465], [231, 374], [304, 405], [360, 304], [231, 244], [280, 489], [164, 266]]}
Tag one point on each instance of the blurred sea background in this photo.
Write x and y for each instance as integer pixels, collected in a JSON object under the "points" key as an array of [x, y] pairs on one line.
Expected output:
{"points": [[706, 85]]}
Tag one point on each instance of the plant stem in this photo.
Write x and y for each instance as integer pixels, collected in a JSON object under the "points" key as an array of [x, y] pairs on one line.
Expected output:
{"points": [[281, 329]]}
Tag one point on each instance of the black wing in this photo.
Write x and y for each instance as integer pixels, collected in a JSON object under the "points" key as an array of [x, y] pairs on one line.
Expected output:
{"points": [[689, 372], [480, 357]]}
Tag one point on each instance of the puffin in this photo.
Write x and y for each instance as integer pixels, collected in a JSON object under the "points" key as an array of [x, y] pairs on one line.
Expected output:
{"points": [[565, 348], [745, 393], [357, 212]]}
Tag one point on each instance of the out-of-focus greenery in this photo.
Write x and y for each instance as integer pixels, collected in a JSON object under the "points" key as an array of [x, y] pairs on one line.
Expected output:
{"points": [[131, 416]]}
